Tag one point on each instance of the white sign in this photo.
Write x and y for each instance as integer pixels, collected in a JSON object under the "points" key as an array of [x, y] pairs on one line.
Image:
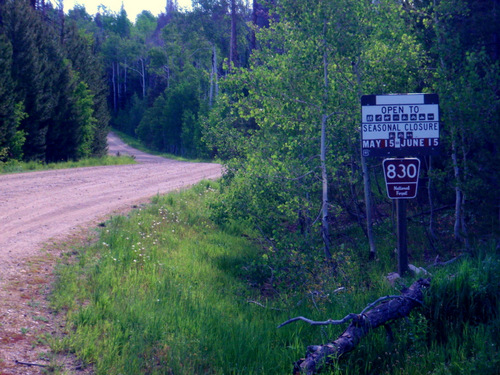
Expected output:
{"points": [[400, 125]]}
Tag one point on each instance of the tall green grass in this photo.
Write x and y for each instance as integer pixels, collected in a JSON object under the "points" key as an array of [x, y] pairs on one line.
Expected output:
{"points": [[162, 293], [15, 166], [166, 291]]}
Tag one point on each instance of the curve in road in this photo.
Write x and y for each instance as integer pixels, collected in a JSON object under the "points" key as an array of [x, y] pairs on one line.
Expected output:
{"points": [[36, 207]]}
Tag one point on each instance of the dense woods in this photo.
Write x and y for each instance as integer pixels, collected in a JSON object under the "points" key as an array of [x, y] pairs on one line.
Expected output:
{"points": [[52, 97], [273, 89]]}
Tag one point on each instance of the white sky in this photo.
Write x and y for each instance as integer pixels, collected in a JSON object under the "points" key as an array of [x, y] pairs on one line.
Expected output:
{"points": [[132, 7]]}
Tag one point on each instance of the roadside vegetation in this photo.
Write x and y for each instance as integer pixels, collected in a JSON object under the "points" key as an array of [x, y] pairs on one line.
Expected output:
{"points": [[166, 290], [197, 282], [137, 144], [15, 166]]}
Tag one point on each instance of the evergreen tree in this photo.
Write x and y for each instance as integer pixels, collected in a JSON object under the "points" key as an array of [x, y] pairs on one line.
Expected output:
{"points": [[21, 27], [11, 138], [57, 122], [87, 68]]}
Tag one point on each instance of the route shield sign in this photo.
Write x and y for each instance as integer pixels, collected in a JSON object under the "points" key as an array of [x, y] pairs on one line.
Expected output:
{"points": [[400, 125], [401, 177]]}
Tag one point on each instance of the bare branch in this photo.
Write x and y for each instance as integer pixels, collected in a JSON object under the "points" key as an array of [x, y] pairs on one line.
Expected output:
{"points": [[264, 306], [317, 323], [371, 305], [29, 364], [320, 355]]}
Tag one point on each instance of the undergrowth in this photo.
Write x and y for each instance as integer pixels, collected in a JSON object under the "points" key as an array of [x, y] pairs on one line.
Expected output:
{"points": [[14, 166], [166, 291], [135, 143]]}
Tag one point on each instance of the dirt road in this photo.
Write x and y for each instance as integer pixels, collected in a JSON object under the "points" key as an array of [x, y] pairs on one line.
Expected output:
{"points": [[40, 206], [37, 206]]}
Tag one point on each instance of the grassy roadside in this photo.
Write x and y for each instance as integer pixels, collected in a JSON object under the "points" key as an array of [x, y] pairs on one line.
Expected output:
{"points": [[135, 143], [14, 166], [166, 291]]}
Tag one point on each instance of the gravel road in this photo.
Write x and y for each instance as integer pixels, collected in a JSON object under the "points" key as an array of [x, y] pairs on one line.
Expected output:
{"points": [[38, 206]]}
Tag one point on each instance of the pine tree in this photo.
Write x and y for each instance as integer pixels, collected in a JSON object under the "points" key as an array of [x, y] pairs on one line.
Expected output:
{"points": [[11, 139], [23, 29], [89, 70], [59, 81]]}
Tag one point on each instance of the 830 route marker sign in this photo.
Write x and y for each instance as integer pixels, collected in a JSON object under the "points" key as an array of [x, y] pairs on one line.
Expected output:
{"points": [[401, 177], [400, 125]]}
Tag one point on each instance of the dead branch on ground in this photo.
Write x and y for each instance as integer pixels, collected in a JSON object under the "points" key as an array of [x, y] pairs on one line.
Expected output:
{"points": [[374, 315]]}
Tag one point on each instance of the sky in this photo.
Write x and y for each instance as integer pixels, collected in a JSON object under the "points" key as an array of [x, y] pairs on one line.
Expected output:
{"points": [[132, 7]]}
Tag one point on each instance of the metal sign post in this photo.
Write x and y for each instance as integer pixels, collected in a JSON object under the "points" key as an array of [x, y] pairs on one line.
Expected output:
{"points": [[402, 236], [400, 126]]}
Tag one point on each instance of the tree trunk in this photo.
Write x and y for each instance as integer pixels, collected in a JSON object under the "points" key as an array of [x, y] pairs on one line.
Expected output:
{"points": [[368, 205], [143, 74], [431, 200], [233, 49], [113, 81], [213, 78], [367, 185], [458, 192], [325, 231], [125, 77], [118, 86], [321, 355], [253, 40]]}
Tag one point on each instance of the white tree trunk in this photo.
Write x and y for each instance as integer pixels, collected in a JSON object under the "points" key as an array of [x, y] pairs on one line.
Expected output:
{"points": [[113, 82], [325, 229], [367, 186], [368, 207], [431, 201]]}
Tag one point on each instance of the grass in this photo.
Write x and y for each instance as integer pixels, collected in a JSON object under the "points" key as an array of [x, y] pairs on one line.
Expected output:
{"points": [[15, 166], [166, 291]]}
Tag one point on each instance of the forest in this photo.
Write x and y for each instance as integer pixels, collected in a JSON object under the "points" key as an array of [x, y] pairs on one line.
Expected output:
{"points": [[272, 90]]}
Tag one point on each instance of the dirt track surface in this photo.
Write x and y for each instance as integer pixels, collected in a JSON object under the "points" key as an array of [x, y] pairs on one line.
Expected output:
{"points": [[41, 207]]}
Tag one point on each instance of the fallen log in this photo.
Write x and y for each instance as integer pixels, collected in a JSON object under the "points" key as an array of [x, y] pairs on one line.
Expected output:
{"points": [[374, 315]]}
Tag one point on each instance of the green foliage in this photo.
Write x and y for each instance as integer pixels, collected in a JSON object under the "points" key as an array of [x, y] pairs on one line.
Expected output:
{"points": [[15, 166], [470, 130], [127, 120], [468, 293], [85, 107], [42, 59], [9, 119], [167, 290], [464, 71], [171, 124], [158, 296], [15, 150], [87, 68], [314, 63]]}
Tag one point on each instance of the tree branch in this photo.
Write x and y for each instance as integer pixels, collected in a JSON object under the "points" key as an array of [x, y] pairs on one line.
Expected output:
{"points": [[319, 323], [370, 318]]}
